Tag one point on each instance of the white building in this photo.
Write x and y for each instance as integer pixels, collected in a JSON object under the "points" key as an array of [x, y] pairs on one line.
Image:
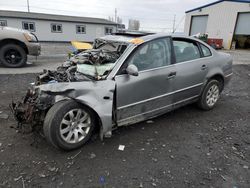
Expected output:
{"points": [[224, 19], [59, 28]]}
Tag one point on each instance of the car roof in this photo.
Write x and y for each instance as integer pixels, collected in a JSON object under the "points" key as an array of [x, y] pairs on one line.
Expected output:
{"points": [[133, 33], [127, 37]]}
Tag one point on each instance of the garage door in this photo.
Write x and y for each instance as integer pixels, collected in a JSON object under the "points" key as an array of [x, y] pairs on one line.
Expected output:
{"points": [[243, 24], [198, 25]]}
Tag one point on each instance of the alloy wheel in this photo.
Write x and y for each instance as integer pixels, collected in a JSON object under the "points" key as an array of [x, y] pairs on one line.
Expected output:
{"points": [[75, 126], [212, 95]]}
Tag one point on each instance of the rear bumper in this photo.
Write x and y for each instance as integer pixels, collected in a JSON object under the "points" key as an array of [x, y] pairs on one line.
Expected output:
{"points": [[34, 48]]}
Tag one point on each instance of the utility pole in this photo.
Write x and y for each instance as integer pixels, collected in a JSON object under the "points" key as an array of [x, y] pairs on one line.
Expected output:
{"points": [[116, 19], [28, 5], [115, 15], [174, 23]]}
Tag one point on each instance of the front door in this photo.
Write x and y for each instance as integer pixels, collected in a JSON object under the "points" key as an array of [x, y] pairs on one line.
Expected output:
{"points": [[148, 94]]}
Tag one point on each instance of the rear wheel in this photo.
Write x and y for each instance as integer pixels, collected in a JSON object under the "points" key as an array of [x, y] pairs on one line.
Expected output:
{"points": [[68, 125], [13, 55], [210, 95]]}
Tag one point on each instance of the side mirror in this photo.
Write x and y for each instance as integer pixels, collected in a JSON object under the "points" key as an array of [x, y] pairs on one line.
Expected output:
{"points": [[132, 70]]}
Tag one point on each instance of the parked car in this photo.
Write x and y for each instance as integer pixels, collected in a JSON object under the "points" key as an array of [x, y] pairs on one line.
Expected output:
{"points": [[15, 45], [124, 79]]}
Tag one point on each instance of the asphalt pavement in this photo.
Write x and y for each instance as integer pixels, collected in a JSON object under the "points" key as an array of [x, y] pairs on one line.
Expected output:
{"points": [[184, 148]]}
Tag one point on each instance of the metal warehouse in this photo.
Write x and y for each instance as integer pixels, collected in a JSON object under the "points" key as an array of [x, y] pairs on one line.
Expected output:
{"points": [[225, 19], [61, 28]]}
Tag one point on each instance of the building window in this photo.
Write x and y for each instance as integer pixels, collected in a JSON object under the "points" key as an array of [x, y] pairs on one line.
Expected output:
{"points": [[3, 22], [56, 28], [80, 29], [108, 30], [30, 26]]}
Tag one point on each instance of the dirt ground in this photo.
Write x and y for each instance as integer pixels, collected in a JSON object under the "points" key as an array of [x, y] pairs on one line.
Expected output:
{"points": [[184, 148]]}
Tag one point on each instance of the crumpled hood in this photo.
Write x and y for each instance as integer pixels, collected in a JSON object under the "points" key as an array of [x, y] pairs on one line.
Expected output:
{"points": [[68, 86]]}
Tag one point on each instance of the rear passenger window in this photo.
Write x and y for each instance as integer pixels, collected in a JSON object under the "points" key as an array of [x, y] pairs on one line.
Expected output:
{"points": [[186, 51], [206, 51]]}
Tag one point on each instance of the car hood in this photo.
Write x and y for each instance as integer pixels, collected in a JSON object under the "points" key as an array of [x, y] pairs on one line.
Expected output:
{"points": [[100, 85], [15, 30]]}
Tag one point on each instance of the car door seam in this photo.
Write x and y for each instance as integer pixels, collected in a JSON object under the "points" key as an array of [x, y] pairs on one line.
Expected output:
{"points": [[160, 96], [131, 117]]}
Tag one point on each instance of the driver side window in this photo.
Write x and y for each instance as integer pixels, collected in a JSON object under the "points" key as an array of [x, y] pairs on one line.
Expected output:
{"points": [[152, 55]]}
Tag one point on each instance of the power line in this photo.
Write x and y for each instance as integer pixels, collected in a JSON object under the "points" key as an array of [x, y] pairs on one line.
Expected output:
{"points": [[111, 7], [59, 10], [106, 15], [77, 13], [156, 28], [182, 19]]}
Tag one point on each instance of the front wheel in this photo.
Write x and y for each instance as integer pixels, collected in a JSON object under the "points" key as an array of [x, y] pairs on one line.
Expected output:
{"points": [[13, 55], [210, 95], [68, 125]]}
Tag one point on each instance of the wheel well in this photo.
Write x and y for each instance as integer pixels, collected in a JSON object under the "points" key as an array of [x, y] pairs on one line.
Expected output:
{"points": [[14, 41], [99, 122], [220, 79]]}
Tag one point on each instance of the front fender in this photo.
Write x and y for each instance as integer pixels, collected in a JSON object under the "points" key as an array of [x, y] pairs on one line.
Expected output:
{"points": [[97, 95]]}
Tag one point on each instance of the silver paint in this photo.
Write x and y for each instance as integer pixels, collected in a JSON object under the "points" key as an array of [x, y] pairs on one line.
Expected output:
{"points": [[126, 99]]}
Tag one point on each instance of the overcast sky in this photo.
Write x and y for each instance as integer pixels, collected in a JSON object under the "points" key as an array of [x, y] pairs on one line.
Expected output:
{"points": [[154, 15]]}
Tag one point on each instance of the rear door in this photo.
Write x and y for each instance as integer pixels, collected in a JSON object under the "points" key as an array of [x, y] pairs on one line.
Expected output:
{"points": [[191, 68], [148, 94]]}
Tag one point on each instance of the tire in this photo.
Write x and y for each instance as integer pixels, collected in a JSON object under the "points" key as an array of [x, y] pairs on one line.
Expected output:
{"points": [[13, 55], [210, 95], [60, 128]]}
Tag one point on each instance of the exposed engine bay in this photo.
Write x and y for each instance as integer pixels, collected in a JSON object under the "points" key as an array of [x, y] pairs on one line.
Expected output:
{"points": [[90, 65], [93, 64]]}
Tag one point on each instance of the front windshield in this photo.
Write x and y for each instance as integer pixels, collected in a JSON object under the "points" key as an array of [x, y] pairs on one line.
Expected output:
{"points": [[98, 62], [113, 47]]}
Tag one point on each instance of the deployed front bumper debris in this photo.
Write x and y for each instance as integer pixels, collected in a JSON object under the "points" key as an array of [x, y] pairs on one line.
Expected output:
{"points": [[31, 112]]}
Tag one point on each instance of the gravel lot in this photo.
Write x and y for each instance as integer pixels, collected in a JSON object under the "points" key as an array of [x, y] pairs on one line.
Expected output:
{"points": [[184, 148]]}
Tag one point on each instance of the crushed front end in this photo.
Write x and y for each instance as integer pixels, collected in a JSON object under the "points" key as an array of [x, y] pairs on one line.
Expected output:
{"points": [[73, 79], [31, 111]]}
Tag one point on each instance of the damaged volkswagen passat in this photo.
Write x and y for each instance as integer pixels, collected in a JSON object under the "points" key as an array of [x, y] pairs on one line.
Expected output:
{"points": [[124, 79]]}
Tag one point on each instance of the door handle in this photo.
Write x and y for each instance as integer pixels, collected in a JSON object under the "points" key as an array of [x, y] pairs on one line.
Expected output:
{"points": [[203, 67], [171, 75]]}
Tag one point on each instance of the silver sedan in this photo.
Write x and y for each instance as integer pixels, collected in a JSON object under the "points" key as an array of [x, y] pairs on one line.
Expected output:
{"points": [[124, 79]]}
